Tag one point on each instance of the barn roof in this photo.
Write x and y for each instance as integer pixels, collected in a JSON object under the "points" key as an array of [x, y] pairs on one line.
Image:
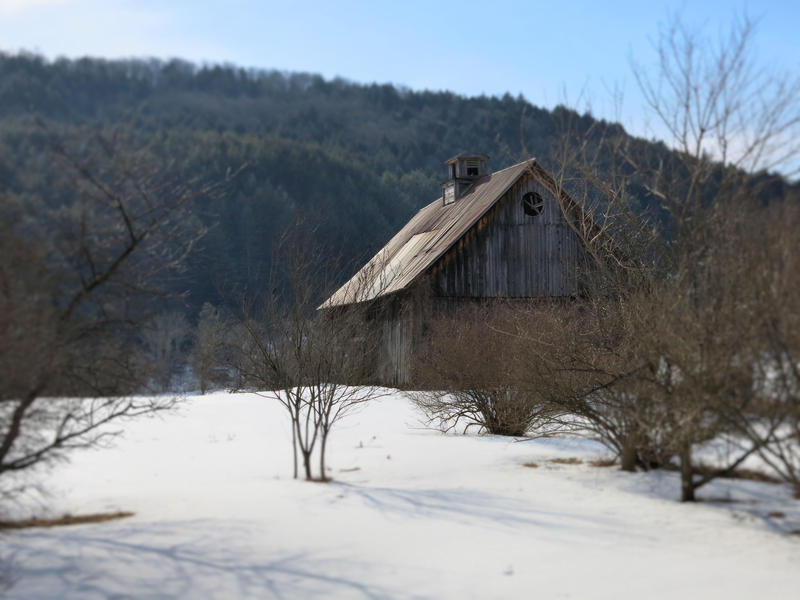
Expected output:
{"points": [[465, 155], [425, 238]]}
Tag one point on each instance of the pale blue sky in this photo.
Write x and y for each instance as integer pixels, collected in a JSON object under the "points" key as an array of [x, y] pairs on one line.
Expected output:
{"points": [[548, 51]]}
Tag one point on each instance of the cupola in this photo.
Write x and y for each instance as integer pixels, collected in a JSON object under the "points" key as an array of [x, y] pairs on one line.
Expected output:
{"points": [[462, 171]]}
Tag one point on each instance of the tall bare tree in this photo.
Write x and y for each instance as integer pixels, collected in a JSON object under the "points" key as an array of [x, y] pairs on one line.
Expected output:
{"points": [[681, 363], [773, 241], [76, 280]]}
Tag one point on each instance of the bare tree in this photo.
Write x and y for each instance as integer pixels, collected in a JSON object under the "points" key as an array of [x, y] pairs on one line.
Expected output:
{"points": [[208, 357], [480, 370], [75, 280], [317, 363], [775, 424], [654, 371], [599, 383], [698, 345], [729, 121], [163, 337], [719, 107], [668, 353]]}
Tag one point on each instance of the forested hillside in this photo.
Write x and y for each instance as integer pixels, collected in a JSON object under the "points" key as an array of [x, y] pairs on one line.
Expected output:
{"points": [[351, 161]]}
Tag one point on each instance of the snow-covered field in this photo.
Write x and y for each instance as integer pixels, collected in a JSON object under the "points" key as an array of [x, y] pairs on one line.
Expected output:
{"points": [[411, 514]]}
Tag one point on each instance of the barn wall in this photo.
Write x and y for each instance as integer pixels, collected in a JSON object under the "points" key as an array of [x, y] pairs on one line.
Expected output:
{"points": [[396, 346], [401, 321], [395, 320], [507, 254], [404, 332], [511, 254]]}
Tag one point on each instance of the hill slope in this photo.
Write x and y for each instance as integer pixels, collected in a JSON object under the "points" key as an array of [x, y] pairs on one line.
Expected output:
{"points": [[353, 162]]}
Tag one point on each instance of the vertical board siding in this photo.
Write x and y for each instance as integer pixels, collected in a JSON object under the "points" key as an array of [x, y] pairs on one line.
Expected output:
{"points": [[506, 254], [397, 330], [511, 254]]}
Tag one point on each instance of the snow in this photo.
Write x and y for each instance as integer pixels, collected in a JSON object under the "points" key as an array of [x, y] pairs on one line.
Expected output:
{"points": [[411, 514]]}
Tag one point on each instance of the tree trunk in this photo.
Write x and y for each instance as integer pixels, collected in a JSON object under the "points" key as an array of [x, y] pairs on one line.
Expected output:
{"points": [[11, 434], [628, 454], [322, 441], [307, 465], [294, 447], [687, 480]]}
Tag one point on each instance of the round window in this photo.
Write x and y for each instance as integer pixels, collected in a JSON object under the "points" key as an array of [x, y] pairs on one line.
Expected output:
{"points": [[532, 204]]}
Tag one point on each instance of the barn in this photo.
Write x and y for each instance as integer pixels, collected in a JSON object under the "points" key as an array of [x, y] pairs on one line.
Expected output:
{"points": [[510, 234]]}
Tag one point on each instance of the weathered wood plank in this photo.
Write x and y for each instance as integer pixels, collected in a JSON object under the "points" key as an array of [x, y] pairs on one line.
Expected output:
{"points": [[511, 254]]}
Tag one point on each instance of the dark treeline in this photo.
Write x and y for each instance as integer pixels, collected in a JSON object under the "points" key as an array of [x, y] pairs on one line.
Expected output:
{"points": [[352, 161]]}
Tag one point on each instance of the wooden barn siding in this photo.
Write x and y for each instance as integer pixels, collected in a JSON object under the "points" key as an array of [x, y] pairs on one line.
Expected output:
{"points": [[511, 254], [507, 254], [402, 319], [395, 317], [397, 345]]}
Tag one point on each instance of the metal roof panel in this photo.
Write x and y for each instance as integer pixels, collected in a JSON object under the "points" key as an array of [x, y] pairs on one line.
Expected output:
{"points": [[424, 239]]}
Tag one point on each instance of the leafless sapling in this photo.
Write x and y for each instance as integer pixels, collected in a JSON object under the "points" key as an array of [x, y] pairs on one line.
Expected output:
{"points": [[315, 362]]}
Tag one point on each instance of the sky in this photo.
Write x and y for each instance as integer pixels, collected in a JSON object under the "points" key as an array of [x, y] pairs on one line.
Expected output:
{"points": [[575, 52]]}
